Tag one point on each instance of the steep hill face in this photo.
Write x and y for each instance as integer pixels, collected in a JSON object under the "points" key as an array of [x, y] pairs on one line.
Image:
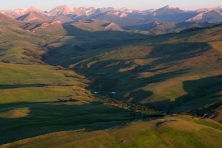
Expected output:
{"points": [[6, 27], [212, 16], [112, 26], [5, 19], [208, 14], [33, 16], [51, 27], [170, 14], [167, 10]]}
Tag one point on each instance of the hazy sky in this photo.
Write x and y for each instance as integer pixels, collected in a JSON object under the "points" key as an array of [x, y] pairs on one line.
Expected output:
{"points": [[134, 4]]}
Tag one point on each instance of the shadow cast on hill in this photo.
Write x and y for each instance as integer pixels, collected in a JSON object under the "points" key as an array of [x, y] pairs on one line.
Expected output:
{"points": [[202, 96], [43, 118], [87, 43], [108, 79], [168, 53], [8, 86]]}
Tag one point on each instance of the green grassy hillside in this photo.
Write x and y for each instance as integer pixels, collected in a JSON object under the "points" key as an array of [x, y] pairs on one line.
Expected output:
{"points": [[22, 46], [167, 132], [93, 25], [40, 83], [42, 99]]}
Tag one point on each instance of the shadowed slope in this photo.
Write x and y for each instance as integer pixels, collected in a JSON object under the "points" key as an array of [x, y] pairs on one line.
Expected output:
{"points": [[42, 118], [166, 132], [157, 66]]}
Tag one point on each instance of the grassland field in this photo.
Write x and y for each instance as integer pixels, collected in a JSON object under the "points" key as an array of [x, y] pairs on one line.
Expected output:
{"points": [[50, 101]]}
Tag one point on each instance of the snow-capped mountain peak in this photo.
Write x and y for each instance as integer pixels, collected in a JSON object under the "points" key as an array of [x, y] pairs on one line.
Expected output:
{"points": [[20, 11], [164, 14], [60, 10]]}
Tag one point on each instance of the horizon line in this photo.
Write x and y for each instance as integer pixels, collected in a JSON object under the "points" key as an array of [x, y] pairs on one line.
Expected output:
{"points": [[111, 7]]}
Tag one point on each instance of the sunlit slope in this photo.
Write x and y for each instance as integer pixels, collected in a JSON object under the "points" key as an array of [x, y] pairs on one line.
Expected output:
{"points": [[42, 99], [21, 46], [167, 132], [172, 72], [39, 83]]}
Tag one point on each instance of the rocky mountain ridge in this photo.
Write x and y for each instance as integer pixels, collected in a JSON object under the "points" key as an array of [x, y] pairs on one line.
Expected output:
{"points": [[164, 14]]}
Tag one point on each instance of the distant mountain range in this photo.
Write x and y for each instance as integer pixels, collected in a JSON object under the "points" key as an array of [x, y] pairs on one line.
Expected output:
{"points": [[118, 16], [153, 21], [16, 13]]}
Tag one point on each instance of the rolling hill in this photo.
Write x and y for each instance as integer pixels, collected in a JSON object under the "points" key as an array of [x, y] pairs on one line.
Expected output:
{"points": [[155, 71], [169, 132], [97, 25], [157, 27]]}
